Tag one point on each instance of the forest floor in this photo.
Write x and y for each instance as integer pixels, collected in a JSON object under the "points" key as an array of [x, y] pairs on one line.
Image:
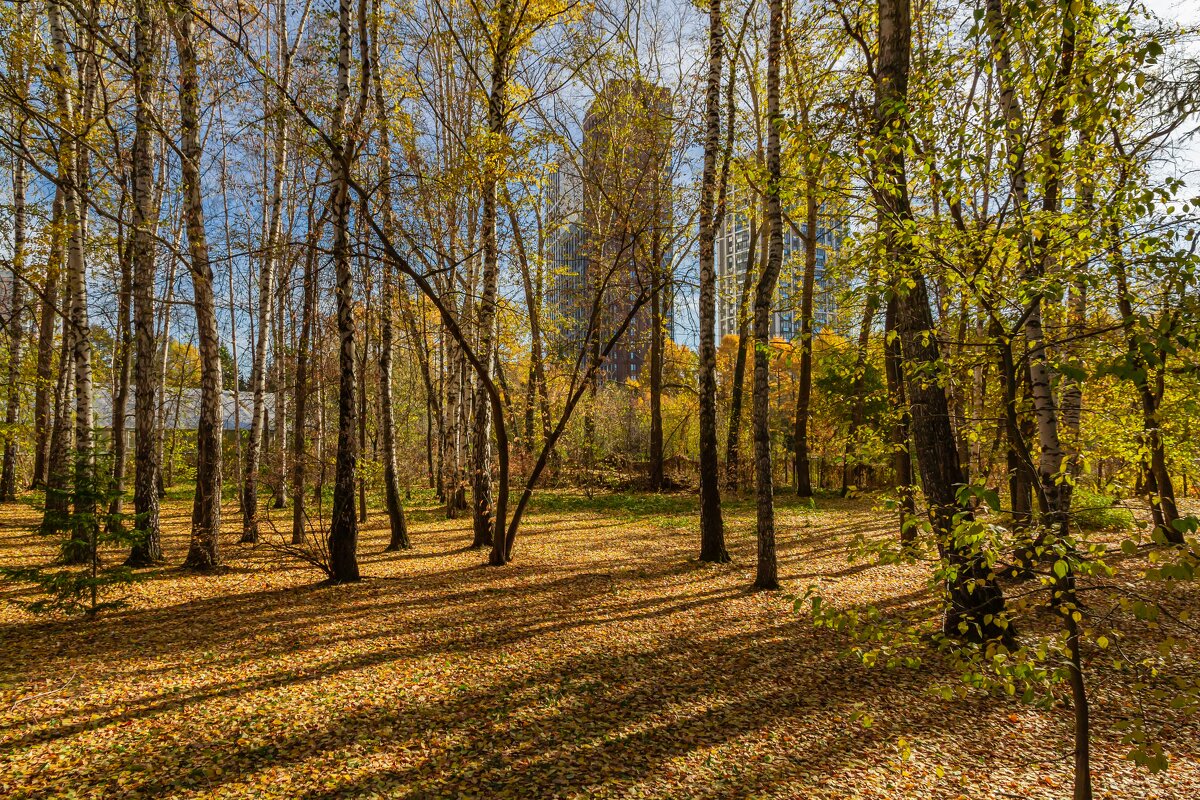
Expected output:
{"points": [[604, 662]]}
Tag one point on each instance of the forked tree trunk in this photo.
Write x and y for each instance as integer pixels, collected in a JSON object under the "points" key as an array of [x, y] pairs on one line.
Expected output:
{"points": [[1034, 247]]}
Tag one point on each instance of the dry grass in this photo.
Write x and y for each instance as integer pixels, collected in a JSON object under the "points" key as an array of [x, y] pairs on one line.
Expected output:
{"points": [[605, 662]]}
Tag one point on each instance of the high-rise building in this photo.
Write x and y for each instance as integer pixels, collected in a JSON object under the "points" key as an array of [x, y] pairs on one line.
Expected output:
{"points": [[733, 252], [610, 226]]}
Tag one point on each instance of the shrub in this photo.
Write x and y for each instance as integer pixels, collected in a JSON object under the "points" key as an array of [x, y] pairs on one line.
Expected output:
{"points": [[1094, 511]]}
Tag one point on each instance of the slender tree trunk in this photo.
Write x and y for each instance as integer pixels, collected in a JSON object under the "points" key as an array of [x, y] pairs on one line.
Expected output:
{"points": [[767, 575], [362, 363], [56, 517], [203, 551], [858, 399], [732, 445], [299, 456], [1160, 486], [72, 164], [343, 528], [712, 525], [47, 324], [531, 282], [657, 334], [804, 395], [16, 322], [497, 112], [164, 336], [1034, 247], [398, 525], [148, 548], [124, 376], [902, 470]]}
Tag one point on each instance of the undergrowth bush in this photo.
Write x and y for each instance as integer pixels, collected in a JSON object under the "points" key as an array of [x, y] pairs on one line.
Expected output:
{"points": [[1095, 511]]}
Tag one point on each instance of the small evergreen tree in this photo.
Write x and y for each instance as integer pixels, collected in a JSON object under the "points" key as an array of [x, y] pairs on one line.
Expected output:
{"points": [[80, 582]]}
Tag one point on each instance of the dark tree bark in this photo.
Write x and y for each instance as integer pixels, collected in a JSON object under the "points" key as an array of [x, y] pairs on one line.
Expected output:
{"points": [[803, 468], [299, 456], [858, 398], [976, 604], [732, 456], [204, 549], [712, 526], [55, 519], [398, 539], [657, 335], [148, 548], [902, 470], [1159, 484], [767, 574], [343, 527]]}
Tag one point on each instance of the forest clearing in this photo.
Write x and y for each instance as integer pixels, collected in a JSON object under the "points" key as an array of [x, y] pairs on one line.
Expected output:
{"points": [[606, 662], [600, 398]]}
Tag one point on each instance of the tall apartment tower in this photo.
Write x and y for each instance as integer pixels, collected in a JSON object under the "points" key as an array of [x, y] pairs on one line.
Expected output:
{"points": [[610, 226], [733, 252]]}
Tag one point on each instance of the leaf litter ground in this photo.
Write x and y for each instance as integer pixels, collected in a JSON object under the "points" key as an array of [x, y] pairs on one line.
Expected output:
{"points": [[604, 662]]}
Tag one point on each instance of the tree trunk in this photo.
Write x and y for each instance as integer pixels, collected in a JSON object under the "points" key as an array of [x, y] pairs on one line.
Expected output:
{"points": [[712, 525], [343, 527], [804, 395], [858, 397], [902, 469], [148, 548], [767, 576], [47, 323], [1161, 488], [398, 525], [16, 322], [1057, 492], [299, 458], [72, 165], [56, 517], [732, 456], [976, 604], [497, 112], [532, 283], [657, 332], [204, 550], [124, 369]]}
